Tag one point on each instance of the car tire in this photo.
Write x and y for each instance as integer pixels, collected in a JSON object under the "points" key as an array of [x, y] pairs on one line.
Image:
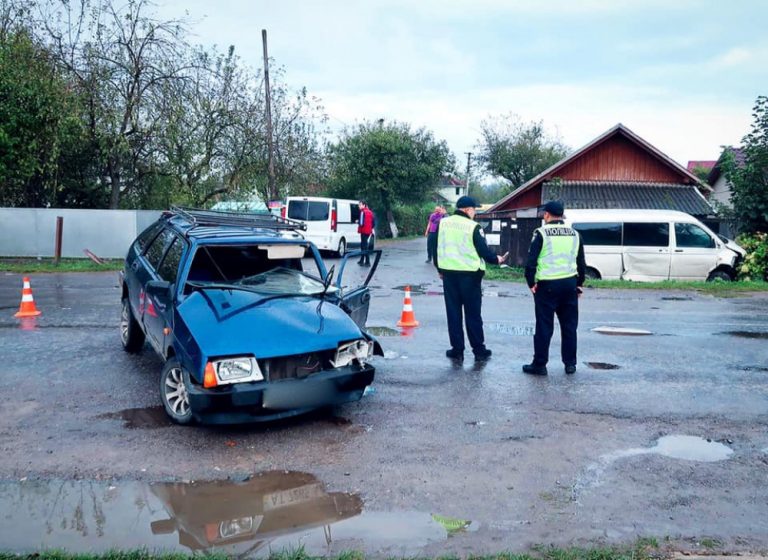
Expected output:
{"points": [[342, 248], [174, 382], [591, 274], [131, 334], [719, 276]]}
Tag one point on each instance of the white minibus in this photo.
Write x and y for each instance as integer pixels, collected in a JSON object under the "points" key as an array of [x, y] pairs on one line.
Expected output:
{"points": [[331, 222], [652, 245]]}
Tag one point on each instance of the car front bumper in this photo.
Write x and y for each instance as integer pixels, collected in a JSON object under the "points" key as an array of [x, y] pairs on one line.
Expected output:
{"points": [[264, 401]]}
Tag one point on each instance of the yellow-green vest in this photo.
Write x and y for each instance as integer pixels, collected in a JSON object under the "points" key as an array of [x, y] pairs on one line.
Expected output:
{"points": [[559, 249], [455, 247]]}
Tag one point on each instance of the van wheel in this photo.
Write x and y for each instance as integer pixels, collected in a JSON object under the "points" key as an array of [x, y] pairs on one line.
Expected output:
{"points": [[342, 247], [719, 276], [592, 274]]}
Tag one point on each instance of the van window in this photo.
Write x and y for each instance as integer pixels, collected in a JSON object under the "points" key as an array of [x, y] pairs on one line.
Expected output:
{"points": [[646, 234], [308, 210], [600, 233], [691, 235], [355, 219]]}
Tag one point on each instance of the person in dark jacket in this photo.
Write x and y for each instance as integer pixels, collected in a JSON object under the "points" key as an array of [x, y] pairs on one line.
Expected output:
{"points": [[555, 273], [461, 256]]}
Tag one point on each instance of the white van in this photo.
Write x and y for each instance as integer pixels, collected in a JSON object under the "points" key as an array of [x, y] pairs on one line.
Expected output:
{"points": [[331, 222], [652, 245]]}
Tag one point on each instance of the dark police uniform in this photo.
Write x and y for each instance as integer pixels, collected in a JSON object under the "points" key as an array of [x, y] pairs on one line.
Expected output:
{"points": [[556, 267], [461, 256]]}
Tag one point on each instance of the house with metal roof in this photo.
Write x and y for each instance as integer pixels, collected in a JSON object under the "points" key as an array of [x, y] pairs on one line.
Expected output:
{"points": [[618, 169]]}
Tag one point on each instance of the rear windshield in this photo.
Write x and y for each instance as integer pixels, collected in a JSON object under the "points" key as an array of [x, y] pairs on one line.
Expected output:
{"points": [[308, 210]]}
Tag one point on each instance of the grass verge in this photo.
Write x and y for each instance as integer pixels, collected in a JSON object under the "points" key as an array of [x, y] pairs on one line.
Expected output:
{"points": [[516, 274], [36, 266], [644, 549]]}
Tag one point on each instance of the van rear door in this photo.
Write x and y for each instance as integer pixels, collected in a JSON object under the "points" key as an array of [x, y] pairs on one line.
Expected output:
{"points": [[646, 251], [695, 253]]}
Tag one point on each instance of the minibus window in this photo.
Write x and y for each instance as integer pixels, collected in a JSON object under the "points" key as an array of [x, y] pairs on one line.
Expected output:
{"points": [[599, 233], [297, 209], [317, 211], [691, 235], [646, 234]]}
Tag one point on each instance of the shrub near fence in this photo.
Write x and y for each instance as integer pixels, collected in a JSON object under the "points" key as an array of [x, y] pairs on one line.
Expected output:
{"points": [[755, 265], [410, 220]]}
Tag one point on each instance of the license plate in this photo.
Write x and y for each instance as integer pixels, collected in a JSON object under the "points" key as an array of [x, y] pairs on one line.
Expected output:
{"points": [[286, 498]]}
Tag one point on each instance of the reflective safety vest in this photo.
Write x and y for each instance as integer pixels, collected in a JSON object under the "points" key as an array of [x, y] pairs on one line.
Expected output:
{"points": [[455, 247], [559, 250]]}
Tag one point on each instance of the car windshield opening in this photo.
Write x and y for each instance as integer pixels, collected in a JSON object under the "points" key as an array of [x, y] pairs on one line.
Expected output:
{"points": [[284, 281], [249, 266]]}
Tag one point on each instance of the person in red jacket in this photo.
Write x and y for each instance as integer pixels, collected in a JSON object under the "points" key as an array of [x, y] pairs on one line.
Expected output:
{"points": [[365, 229]]}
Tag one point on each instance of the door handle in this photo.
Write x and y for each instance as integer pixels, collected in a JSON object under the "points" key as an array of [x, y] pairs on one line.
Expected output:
{"points": [[678, 250]]}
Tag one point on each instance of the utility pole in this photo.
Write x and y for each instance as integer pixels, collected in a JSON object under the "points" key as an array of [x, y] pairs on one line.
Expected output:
{"points": [[271, 159], [469, 157]]}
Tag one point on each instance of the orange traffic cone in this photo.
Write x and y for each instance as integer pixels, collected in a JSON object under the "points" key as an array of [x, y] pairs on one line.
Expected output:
{"points": [[27, 307], [407, 319]]}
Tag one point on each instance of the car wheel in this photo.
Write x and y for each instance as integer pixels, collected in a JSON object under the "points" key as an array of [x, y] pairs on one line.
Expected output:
{"points": [[131, 334], [173, 392], [342, 248], [719, 276], [592, 274]]}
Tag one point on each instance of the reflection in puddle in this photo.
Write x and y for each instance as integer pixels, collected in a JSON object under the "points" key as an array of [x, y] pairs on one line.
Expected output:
{"points": [[270, 512], [601, 365], [621, 331], [152, 417], [747, 334], [687, 448], [415, 288], [513, 330], [755, 368], [382, 331]]}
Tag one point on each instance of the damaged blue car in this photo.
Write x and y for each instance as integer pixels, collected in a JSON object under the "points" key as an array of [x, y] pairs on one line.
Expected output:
{"points": [[248, 320]]}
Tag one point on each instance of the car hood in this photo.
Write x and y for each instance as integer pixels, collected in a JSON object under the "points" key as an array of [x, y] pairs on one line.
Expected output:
{"points": [[228, 323]]}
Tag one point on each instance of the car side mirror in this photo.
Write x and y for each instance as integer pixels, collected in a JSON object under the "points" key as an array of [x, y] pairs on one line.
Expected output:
{"points": [[159, 288]]}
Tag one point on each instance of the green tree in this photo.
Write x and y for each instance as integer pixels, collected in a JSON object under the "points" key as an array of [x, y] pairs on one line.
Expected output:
{"points": [[36, 111], [387, 165], [515, 150], [749, 181]]}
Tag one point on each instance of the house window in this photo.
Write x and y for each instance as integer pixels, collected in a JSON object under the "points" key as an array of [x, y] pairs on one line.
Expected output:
{"points": [[458, 191], [600, 233], [646, 234]]}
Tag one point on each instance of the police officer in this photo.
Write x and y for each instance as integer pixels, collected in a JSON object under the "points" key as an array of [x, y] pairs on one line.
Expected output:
{"points": [[555, 273], [461, 256]]}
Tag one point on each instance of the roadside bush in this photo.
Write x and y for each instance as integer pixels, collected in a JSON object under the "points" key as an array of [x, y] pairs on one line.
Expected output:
{"points": [[410, 220], [755, 265]]}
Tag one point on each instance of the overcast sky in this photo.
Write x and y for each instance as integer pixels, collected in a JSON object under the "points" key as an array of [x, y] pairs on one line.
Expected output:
{"points": [[682, 74]]}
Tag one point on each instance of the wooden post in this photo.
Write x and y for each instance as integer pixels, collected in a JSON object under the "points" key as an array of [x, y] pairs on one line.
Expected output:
{"points": [[59, 233]]}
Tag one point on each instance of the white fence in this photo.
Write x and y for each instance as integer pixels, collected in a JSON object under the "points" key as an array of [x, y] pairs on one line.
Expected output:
{"points": [[31, 232]]}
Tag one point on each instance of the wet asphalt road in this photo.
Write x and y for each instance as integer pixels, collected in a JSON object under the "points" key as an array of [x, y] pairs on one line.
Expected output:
{"points": [[555, 460]]}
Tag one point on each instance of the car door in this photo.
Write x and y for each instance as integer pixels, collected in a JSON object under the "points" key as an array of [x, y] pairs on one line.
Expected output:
{"points": [[646, 251], [136, 274], [694, 254], [163, 258], [356, 300]]}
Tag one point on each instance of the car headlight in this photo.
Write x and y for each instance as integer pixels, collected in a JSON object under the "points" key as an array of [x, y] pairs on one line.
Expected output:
{"points": [[359, 350], [236, 370]]}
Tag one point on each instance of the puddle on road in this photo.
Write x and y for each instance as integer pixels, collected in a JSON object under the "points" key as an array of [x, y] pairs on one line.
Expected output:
{"points": [[621, 331], [676, 298], [146, 418], [514, 330], [746, 334], [755, 368], [382, 331], [269, 512], [419, 289], [601, 365], [686, 448]]}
